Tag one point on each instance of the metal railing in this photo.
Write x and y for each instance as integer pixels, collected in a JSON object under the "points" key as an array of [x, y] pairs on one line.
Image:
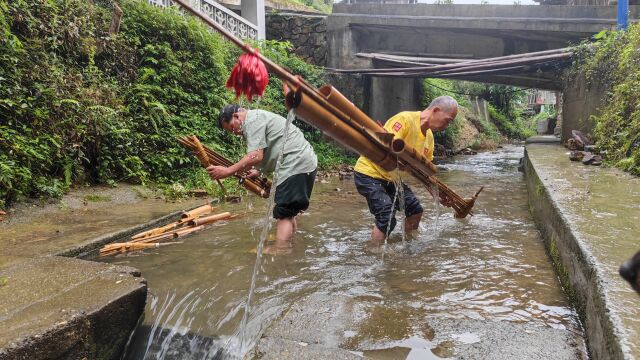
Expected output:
{"points": [[234, 23]]}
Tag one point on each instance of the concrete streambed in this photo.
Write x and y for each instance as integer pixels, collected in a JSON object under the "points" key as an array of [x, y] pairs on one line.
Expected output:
{"points": [[480, 288]]}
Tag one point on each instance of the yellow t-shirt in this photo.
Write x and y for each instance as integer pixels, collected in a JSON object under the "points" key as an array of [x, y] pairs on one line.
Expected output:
{"points": [[406, 126]]}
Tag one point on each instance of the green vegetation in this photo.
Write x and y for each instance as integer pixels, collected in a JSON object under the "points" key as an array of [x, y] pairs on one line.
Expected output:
{"points": [[505, 110], [320, 5], [613, 62], [324, 6], [80, 105], [515, 127]]}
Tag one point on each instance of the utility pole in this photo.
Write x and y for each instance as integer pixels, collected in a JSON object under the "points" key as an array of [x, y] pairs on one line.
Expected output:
{"points": [[623, 14], [253, 10]]}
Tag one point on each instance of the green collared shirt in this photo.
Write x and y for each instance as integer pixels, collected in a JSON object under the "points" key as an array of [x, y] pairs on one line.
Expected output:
{"points": [[265, 130]]}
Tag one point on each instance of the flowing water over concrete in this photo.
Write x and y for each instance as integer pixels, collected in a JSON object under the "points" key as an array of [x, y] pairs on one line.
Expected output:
{"points": [[490, 270], [79, 219]]}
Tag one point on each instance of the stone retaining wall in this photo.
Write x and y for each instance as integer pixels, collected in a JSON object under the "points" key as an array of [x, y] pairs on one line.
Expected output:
{"points": [[307, 34]]}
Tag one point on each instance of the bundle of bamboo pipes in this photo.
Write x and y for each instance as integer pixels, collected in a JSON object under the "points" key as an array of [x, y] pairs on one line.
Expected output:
{"points": [[259, 186], [335, 115], [190, 221]]}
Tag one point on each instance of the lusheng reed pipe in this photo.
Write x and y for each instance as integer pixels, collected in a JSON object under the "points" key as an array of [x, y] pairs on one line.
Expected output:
{"points": [[319, 101], [412, 158], [338, 100], [346, 135], [259, 186]]}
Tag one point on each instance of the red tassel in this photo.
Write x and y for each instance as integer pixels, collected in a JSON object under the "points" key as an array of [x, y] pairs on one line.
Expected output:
{"points": [[249, 76]]}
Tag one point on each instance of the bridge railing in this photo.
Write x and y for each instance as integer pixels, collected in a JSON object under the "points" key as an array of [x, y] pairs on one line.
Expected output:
{"points": [[234, 23]]}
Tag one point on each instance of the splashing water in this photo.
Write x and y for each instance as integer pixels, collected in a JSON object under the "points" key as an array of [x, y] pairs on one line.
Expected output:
{"points": [[263, 236], [403, 216], [391, 216], [398, 197], [436, 197]]}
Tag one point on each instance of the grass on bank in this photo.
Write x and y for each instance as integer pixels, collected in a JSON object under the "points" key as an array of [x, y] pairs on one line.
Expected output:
{"points": [[613, 63], [505, 111]]}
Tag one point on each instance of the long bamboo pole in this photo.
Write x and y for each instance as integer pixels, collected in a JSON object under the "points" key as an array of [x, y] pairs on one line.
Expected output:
{"points": [[465, 65], [453, 74], [444, 61]]}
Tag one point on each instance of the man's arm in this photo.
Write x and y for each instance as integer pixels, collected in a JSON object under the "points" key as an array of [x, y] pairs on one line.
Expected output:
{"points": [[249, 160]]}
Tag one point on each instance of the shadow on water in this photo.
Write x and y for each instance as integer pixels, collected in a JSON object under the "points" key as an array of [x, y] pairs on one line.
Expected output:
{"points": [[491, 266]]}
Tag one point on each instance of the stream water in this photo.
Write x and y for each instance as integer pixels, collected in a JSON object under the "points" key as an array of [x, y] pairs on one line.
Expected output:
{"points": [[491, 266]]}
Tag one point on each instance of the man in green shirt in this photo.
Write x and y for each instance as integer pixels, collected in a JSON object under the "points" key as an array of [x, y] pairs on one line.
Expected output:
{"points": [[264, 132]]}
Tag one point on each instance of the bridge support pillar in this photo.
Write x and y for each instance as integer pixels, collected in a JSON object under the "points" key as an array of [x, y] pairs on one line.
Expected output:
{"points": [[389, 96], [253, 10]]}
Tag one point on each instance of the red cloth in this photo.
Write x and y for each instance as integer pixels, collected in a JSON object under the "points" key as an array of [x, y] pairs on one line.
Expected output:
{"points": [[249, 76]]}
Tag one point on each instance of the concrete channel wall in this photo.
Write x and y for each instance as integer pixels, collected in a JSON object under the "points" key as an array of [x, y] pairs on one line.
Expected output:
{"points": [[582, 99], [584, 278]]}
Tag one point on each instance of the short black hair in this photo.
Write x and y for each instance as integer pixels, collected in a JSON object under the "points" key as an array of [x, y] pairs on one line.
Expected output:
{"points": [[227, 113]]}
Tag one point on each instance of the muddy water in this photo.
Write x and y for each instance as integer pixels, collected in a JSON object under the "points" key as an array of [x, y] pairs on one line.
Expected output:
{"points": [[491, 266]]}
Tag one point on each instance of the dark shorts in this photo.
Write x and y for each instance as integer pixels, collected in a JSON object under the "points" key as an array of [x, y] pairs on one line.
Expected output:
{"points": [[380, 194], [292, 196]]}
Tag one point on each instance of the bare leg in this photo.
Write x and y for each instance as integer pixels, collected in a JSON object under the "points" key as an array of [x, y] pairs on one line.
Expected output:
{"points": [[377, 236], [412, 222], [284, 232]]}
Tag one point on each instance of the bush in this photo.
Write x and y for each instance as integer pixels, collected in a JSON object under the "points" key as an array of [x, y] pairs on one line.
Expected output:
{"points": [[80, 105], [514, 128]]}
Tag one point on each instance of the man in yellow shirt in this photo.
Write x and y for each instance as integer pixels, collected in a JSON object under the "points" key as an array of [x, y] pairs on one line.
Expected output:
{"points": [[378, 186]]}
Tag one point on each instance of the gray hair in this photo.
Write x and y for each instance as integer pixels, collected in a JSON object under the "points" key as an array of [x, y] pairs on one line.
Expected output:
{"points": [[445, 102]]}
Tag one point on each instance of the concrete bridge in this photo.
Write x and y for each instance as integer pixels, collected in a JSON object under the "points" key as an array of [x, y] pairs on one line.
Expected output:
{"points": [[455, 31]]}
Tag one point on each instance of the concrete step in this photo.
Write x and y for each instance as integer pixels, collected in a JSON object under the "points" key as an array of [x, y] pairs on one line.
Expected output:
{"points": [[63, 308]]}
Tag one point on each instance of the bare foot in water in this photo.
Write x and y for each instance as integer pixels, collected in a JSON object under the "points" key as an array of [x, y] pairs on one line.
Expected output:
{"points": [[273, 250], [277, 250]]}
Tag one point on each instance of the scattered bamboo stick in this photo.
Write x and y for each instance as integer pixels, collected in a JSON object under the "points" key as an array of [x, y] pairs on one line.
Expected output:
{"points": [[191, 221], [171, 235], [115, 248], [209, 219], [160, 230], [199, 211], [185, 217]]}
